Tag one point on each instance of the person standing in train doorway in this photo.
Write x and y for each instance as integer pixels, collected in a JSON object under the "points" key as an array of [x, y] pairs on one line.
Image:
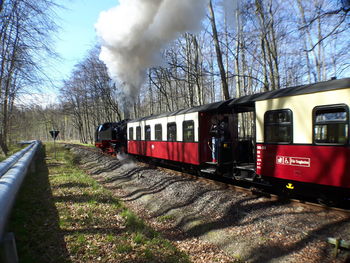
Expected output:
{"points": [[219, 134], [214, 142]]}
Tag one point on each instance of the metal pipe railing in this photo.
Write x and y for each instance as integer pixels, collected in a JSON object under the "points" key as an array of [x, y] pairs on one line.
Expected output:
{"points": [[9, 162], [13, 172]]}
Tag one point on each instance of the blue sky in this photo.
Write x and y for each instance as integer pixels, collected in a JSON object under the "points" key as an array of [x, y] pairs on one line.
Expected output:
{"points": [[77, 33]]}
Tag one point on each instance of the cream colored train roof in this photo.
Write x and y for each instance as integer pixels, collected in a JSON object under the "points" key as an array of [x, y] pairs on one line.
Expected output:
{"points": [[293, 91]]}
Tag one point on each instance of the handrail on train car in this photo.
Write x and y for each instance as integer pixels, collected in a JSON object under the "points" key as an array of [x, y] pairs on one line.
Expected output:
{"points": [[12, 172]]}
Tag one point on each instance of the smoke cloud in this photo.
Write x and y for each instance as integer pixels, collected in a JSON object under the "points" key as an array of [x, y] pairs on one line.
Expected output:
{"points": [[134, 32]]}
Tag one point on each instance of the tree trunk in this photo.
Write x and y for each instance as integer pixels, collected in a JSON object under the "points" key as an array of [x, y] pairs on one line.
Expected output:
{"points": [[224, 86], [3, 145]]}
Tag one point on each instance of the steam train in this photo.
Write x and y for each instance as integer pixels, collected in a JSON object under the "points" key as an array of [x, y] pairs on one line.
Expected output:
{"points": [[295, 139], [111, 138]]}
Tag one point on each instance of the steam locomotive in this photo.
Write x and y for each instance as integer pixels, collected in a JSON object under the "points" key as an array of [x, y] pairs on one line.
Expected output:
{"points": [[295, 139], [111, 138]]}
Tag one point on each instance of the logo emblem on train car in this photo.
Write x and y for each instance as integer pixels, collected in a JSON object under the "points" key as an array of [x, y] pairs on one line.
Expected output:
{"points": [[290, 186], [293, 161]]}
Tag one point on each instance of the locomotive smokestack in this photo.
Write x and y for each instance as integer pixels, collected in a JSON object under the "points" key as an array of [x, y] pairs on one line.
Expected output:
{"points": [[133, 33]]}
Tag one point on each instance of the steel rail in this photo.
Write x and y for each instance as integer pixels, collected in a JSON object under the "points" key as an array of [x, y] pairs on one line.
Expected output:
{"points": [[12, 172]]}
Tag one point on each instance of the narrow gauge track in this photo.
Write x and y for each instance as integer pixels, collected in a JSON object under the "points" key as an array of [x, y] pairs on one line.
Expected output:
{"points": [[236, 186]]}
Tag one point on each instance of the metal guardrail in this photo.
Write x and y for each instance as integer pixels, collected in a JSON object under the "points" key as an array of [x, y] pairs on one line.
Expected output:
{"points": [[12, 172], [9, 162]]}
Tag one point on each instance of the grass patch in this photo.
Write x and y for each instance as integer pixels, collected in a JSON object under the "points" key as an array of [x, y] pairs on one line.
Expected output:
{"points": [[64, 215], [166, 218], [139, 238], [13, 148], [76, 142], [124, 248]]}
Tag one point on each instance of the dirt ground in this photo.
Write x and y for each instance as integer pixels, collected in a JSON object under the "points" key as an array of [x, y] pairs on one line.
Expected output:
{"points": [[214, 223]]}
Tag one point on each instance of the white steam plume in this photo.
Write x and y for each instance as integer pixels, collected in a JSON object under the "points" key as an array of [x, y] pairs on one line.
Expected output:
{"points": [[134, 32]]}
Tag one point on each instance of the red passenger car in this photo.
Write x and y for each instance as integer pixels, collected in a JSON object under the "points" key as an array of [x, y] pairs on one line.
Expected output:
{"points": [[302, 136], [182, 136]]}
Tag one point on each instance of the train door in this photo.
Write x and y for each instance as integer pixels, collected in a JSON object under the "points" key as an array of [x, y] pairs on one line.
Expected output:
{"points": [[244, 149], [216, 135]]}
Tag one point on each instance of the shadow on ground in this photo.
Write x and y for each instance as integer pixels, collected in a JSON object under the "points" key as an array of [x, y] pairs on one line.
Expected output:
{"points": [[35, 219], [196, 212], [240, 214]]}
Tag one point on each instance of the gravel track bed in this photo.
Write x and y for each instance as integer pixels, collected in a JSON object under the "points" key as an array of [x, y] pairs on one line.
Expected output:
{"points": [[206, 219]]}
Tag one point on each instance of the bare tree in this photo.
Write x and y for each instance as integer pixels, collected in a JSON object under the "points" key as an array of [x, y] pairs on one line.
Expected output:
{"points": [[224, 86], [89, 97], [25, 33], [274, 44]]}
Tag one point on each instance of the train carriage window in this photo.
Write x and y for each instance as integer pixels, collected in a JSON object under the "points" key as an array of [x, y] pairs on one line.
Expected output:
{"points": [[138, 133], [131, 133], [188, 131], [331, 124], [278, 126], [158, 132], [171, 132], [147, 132]]}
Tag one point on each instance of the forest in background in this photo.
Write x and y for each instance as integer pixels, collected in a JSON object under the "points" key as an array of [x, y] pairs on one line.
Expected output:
{"points": [[263, 45]]}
